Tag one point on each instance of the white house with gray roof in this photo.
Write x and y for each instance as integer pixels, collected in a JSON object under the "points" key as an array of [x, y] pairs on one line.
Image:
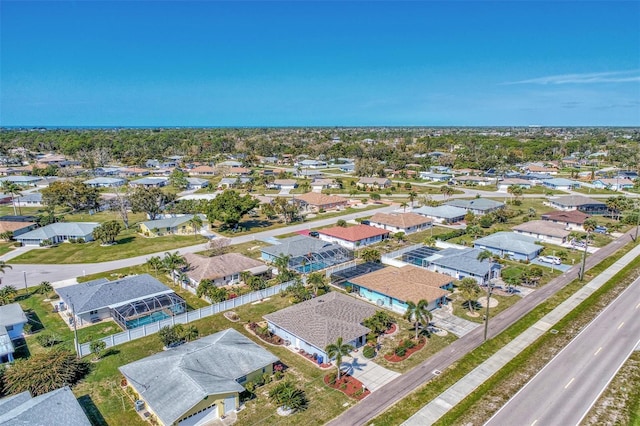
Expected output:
{"points": [[199, 381], [442, 214], [461, 263], [58, 232], [316, 323], [478, 206], [150, 182], [130, 301], [515, 246], [12, 321], [179, 225], [105, 182], [58, 407]]}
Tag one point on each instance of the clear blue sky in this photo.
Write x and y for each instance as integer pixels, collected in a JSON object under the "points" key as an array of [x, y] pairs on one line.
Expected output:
{"points": [[146, 63]]}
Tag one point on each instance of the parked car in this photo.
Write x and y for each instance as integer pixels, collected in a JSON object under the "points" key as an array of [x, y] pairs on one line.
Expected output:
{"points": [[314, 234], [577, 243], [550, 259], [601, 229]]}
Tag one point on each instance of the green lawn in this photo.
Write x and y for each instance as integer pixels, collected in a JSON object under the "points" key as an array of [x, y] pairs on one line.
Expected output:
{"points": [[129, 244], [588, 191], [5, 248], [504, 302]]}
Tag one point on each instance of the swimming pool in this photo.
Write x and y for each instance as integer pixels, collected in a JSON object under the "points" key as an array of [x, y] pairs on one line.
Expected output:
{"points": [[311, 267], [147, 319]]}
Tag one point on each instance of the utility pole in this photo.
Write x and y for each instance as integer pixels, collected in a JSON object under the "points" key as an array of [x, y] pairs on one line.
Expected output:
{"points": [[24, 274], [75, 330], [486, 318], [584, 257]]}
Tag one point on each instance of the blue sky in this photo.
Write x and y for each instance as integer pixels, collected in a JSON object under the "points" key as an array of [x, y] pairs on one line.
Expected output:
{"points": [[146, 63]]}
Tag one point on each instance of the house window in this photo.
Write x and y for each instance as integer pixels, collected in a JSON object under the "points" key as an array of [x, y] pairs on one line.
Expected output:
{"points": [[93, 312], [242, 379], [10, 328]]}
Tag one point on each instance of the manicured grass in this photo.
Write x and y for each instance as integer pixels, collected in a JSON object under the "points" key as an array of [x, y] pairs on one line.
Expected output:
{"points": [[129, 244], [6, 248], [588, 191], [412, 403], [504, 302], [105, 216]]}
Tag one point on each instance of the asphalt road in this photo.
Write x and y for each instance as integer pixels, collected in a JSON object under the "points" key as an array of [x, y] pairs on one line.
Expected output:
{"points": [[564, 391], [35, 274], [399, 388]]}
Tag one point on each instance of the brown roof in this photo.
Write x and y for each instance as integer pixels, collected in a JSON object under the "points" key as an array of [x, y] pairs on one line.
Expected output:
{"points": [[400, 220], [543, 227], [373, 181], [316, 199], [353, 233], [202, 169], [239, 170], [6, 226], [202, 267], [514, 181], [408, 284], [571, 216]]}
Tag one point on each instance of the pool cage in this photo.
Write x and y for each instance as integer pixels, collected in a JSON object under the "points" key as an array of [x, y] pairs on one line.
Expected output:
{"points": [[167, 304], [419, 256], [341, 277], [330, 255]]}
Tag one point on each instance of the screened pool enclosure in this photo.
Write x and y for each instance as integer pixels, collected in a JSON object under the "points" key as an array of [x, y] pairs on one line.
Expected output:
{"points": [[148, 310], [331, 254]]}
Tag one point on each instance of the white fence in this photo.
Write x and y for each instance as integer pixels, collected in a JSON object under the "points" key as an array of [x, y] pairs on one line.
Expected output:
{"points": [[187, 317]]}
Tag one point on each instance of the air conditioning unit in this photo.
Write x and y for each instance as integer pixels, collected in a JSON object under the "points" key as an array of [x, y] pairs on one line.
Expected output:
{"points": [[139, 405]]}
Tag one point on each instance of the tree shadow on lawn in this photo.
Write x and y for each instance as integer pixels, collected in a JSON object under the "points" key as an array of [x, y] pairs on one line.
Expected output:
{"points": [[34, 320], [92, 412], [125, 240], [475, 305]]}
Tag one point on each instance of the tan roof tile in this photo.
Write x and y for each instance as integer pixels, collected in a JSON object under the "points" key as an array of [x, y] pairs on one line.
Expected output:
{"points": [[353, 233]]}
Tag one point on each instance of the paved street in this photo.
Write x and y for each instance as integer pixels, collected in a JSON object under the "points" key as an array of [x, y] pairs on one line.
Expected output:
{"points": [[563, 392]]}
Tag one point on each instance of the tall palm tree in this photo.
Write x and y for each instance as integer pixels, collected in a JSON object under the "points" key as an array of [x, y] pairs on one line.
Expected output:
{"points": [[418, 313], [486, 254], [446, 190], [7, 293], [412, 197], [469, 290], [173, 261], [316, 280], [155, 262], [337, 350], [12, 189], [196, 223], [4, 266]]}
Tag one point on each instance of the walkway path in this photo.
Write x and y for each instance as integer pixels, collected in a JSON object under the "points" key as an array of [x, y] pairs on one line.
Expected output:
{"points": [[431, 412]]}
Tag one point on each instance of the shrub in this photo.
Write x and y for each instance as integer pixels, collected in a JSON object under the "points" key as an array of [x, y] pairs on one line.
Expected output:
{"points": [[369, 352], [46, 339], [400, 351], [408, 344], [332, 378], [98, 347]]}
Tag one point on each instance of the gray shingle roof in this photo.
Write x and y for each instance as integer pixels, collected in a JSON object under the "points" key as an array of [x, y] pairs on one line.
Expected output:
{"points": [[72, 229], [173, 381], [297, 245], [170, 222], [575, 200], [444, 211], [104, 181], [12, 314], [103, 293], [465, 260], [510, 241], [58, 407], [320, 321], [483, 204], [32, 197]]}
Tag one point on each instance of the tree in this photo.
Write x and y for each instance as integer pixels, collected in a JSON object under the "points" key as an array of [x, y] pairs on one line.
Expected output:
{"points": [[178, 179], [474, 230], [155, 263], [44, 288], [97, 347], [284, 273], [446, 190], [412, 197], [173, 261], [375, 196], [196, 223], [341, 223], [317, 281], [107, 232], [72, 194], [151, 201], [287, 395], [337, 350], [404, 206], [13, 189], [208, 289], [121, 203], [429, 242], [470, 218], [7, 294], [4, 266], [418, 313], [6, 235], [44, 372], [370, 255], [218, 246], [378, 323], [229, 208], [469, 290], [516, 192]]}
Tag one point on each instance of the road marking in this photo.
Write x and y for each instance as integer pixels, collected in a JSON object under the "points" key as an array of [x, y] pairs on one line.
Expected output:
{"points": [[570, 381], [598, 351], [621, 324]]}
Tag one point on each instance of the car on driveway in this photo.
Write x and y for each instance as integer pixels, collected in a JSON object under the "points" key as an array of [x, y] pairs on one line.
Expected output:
{"points": [[601, 229], [550, 259]]}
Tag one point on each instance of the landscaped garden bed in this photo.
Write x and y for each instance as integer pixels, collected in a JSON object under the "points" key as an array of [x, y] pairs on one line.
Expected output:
{"points": [[262, 331], [405, 349], [348, 385]]}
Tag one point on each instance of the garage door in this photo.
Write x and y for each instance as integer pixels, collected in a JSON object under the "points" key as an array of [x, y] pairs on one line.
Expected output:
{"points": [[202, 417], [229, 404]]}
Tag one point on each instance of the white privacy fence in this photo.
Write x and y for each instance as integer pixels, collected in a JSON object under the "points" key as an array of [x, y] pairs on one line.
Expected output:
{"points": [[185, 318]]}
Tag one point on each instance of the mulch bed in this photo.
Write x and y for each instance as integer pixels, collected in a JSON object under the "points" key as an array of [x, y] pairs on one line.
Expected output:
{"points": [[395, 358], [349, 386], [391, 329]]}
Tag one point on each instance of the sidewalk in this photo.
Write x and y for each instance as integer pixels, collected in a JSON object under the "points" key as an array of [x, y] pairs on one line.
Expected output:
{"points": [[431, 412]]}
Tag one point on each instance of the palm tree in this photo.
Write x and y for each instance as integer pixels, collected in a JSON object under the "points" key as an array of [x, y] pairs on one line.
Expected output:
{"points": [[337, 350], [155, 262], [418, 313], [412, 196], [429, 242], [13, 189], [404, 206], [190, 332], [446, 190], [474, 231], [316, 280], [7, 293], [470, 290], [173, 261], [486, 254], [3, 266], [45, 287], [589, 226], [370, 255], [196, 223]]}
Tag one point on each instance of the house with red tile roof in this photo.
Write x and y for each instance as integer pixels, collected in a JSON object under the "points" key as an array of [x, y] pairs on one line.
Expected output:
{"points": [[313, 201], [401, 222], [353, 237]]}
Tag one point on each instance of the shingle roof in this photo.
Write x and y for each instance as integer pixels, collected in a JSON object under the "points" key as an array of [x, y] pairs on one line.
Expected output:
{"points": [[399, 220], [510, 241], [315, 199], [464, 260], [32, 197], [58, 407], [72, 229], [12, 314], [298, 245], [575, 201], [6, 226], [202, 267], [150, 181], [514, 181], [173, 381], [543, 227], [408, 283], [561, 182], [475, 204], [170, 222], [571, 216], [103, 293], [444, 211], [374, 181], [320, 321], [103, 181], [353, 233]]}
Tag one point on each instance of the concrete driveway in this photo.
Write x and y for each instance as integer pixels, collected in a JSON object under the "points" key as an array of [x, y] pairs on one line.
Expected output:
{"points": [[563, 268], [444, 318], [372, 375]]}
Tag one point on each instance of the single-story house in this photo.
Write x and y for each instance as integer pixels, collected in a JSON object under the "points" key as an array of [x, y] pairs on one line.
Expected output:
{"points": [[312, 164], [435, 177], [578, 202], [535, 168], [196, 183], [353, 237], [316, 323], [231, 182], [131, 301], [58, 407], [307, 173], [442, 214], [106, 171], [440, 169], [613, 184], [479, 206], [307, 254], [561, 184], [536, 178], [202, 171], [312, 201], [17, 228], [199, 381], [473, 180], [150, 182], [515, 246], [176, 225], [58, 232], [504, 184], [319, 184], [543, 230], [238, 171], [229, 163], [392, 288], [31, 199], [284, 184], [133, 171], [22, 180], [461, 263], [374, 183], [222, 270], [347, 168], [572, 219], [104, 182], [12, 321], [401, 222]]}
